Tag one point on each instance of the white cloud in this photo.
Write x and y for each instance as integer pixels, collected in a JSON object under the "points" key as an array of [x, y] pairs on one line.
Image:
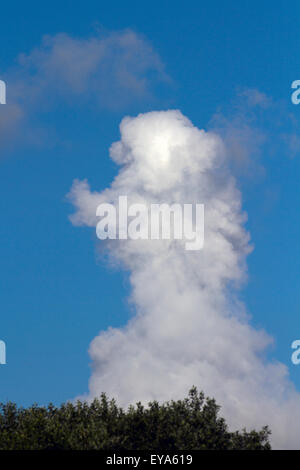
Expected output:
{"points": [[111, 70], [11, 116], [254, 127], [189, 328]]}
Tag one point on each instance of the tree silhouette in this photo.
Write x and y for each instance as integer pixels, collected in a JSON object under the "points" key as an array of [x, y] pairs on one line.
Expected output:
{"points": [[189, 424]]}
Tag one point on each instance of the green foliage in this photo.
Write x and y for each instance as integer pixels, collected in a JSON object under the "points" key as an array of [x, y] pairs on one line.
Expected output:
{"points": [[189, 424]]}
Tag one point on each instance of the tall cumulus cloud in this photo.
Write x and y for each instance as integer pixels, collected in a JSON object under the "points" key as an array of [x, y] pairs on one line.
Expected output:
{"points": [[189, 327]]}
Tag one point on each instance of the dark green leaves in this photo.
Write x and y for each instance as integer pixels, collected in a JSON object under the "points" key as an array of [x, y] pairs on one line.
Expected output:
{"points": [[189, 424]]}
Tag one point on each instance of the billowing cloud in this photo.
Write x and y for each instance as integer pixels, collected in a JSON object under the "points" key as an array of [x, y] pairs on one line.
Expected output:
{"points": [[190, 328]]}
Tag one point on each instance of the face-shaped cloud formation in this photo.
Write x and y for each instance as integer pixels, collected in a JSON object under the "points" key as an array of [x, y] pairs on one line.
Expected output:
{"points": [[190, 327]]}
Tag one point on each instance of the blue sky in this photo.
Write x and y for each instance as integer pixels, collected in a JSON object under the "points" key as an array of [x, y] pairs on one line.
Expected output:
{"points": [[55, 295]]}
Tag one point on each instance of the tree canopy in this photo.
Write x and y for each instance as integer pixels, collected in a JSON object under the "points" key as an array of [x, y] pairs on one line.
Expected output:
{"points": [[189, 424]]}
